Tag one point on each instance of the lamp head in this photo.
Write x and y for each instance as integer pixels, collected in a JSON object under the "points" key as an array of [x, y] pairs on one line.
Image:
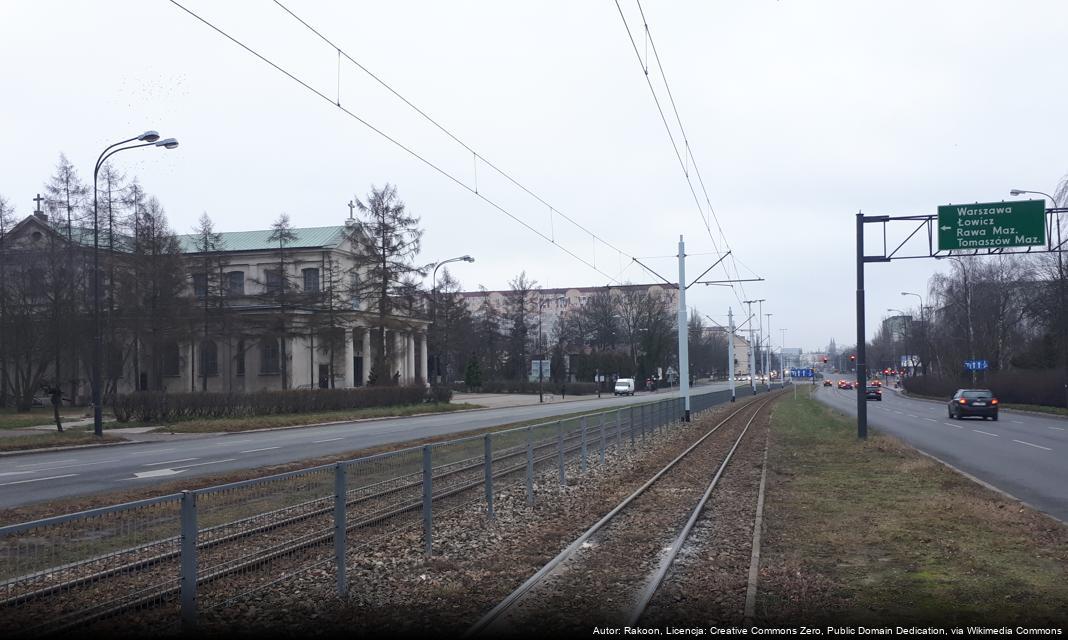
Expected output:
{"points": [[1016, 192], [148, 136], [467, 259], [169, 143]]}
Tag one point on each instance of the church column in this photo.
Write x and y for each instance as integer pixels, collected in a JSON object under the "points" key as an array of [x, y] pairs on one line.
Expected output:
{"points": [[422, 359], [348, 366], [409, 358], [367, 354]]}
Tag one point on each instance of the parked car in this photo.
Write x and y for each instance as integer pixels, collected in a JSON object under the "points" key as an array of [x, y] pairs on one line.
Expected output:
{"points": [[624, 387], [973, 402], [873, 392]]}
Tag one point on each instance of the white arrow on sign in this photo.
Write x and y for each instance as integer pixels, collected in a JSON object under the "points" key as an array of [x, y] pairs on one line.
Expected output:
{"points": [[945, 228], [155, 473]]}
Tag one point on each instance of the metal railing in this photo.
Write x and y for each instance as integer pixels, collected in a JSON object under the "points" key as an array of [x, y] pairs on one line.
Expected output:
{"points": [[175, 557]]}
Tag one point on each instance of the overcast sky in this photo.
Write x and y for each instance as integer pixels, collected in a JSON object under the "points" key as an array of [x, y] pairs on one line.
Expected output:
{"points": [[799, 113]]}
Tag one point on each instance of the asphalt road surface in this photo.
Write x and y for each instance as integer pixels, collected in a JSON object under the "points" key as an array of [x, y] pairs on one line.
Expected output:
{"points": [[26, 479], [1022, 454]]}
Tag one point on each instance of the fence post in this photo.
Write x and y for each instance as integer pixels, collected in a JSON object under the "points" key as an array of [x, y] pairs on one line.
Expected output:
{"points": [[560, 450], [428, 497], [530, 466], [632, 427], [189, 561], [487, 461], [340, 541], [602, 440], [583, 467]]}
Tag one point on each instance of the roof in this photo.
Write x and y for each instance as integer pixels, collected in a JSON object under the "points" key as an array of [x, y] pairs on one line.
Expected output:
{"points": [[308, 237], [563, 290]]}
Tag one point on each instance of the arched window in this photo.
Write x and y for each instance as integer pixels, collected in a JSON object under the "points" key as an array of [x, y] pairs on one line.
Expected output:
{"points": [[209, 358]]}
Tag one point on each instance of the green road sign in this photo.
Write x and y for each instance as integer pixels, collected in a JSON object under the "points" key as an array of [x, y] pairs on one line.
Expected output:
{"points": [[992, 225]]}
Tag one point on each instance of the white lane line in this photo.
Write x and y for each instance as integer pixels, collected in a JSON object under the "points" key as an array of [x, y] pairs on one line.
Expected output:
{"points": [[1056, 428], [329, 440], [912, 415], [38, 479], [1017, 422], [151, 453], [15, 473], [201, 464], [263, 449], [896, 411], [79, 464], [156, 464], [37, 464], [955, 426], [986, 433], [931, 419], [1037, 446], [229, 442]]}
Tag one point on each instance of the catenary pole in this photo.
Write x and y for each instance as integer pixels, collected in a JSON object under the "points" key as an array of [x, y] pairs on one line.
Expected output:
{"points": [[684, 342]]}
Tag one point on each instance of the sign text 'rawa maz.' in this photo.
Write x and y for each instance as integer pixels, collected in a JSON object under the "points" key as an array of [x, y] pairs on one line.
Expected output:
{"points": [[992, 225]]}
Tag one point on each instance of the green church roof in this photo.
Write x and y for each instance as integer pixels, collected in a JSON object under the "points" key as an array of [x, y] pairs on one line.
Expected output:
{"points": [[309, 237]]}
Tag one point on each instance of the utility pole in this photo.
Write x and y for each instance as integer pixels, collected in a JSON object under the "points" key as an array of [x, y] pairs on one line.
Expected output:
{"points": [[684, 343], [767, 355], [752, 354], [730, 350]]}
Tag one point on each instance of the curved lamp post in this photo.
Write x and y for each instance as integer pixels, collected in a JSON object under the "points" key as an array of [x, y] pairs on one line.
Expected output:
{"points": [[434, 289], [923, 340], [146, 139]]}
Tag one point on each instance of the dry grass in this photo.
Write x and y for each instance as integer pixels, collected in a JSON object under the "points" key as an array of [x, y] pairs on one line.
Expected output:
{"points": [[10, 419], [50, 440], [873, 532]]}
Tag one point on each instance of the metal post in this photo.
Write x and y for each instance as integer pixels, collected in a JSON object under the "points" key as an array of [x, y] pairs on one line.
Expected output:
{"points": [[619, 429], [602, 440], [641, 421], [487, 461], [583, 464], [340, 530], [684, 334], [631, 425], [862, 403], [189, 561], [560, 450], [428, 496], [530, 467]]}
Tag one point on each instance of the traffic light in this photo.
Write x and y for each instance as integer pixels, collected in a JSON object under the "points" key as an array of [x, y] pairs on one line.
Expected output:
{"points": [[852, 358], [824, 359]]}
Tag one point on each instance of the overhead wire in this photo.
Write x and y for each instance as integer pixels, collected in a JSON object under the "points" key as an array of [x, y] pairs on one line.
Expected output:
{"points": [[406, 148], [684, 162]]}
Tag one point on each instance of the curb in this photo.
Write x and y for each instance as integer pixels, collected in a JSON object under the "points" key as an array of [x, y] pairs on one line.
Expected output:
{"points": [[5, 454]]}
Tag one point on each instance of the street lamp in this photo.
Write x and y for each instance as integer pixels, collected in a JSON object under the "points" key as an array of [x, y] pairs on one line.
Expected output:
{"points": [[434, 293], [923, 340], [1060, 288], [541, 344], [146, 139]]}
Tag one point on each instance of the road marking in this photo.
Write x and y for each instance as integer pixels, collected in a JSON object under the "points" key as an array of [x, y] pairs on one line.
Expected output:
{"points": [[229, 442], [896, 411], [155, 473], [330, 440], [263, 449], [36, 464], [201, 464], [79, 464], [912, 415], [15, 473], [1057, 428], [1017, 422], [931, 419], [151, 453], [955, 426], [986, 433], [38, 479], [156, 464], [1037, 446]]}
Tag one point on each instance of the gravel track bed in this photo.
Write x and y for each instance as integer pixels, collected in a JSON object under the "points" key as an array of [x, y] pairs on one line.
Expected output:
{"points": [[601, 583], [707, 583], [395, 588]]}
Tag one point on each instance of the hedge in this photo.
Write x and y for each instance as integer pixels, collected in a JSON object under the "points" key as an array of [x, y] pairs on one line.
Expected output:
{"points": [[527, 387], [148, 406], [1019, 386]]}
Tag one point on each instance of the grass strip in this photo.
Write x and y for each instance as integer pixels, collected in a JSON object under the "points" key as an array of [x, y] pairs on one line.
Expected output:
{"points": [[231, 425], [872, 532], [10, 419], [49, 440]]}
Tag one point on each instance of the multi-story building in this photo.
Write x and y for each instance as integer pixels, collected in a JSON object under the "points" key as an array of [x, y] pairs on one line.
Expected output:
{"points": [[261, 314]]}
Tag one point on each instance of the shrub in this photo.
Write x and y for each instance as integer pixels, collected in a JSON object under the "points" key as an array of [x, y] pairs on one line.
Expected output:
{"points": [[440, 393], [1018, 386], [148, 406]]}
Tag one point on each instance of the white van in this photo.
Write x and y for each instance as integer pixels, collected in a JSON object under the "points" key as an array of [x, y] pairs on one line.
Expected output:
{"points": [[624, 387]]}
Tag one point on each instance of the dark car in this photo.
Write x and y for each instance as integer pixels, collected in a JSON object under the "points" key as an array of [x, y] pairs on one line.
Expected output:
{"points": [[826, 383], [873, 393], [973, 402]]}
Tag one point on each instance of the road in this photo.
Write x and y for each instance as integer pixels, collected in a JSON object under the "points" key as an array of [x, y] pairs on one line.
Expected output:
{"points": [[1021, 454], [35, 478]]}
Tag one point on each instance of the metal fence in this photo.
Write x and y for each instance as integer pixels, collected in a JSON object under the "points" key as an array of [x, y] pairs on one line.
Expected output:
{"points": [[169, 560]]}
